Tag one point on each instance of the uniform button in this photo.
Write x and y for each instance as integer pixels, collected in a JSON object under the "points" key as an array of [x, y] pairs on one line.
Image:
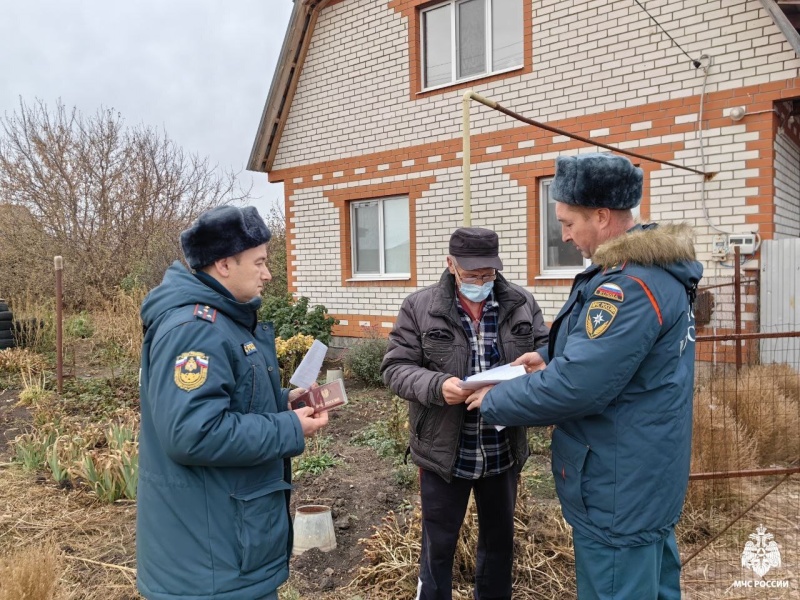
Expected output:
{"points": [[264, 327], [269, 369]]}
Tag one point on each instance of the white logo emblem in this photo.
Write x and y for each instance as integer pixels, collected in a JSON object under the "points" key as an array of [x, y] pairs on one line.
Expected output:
{"points": [[761, 553]]}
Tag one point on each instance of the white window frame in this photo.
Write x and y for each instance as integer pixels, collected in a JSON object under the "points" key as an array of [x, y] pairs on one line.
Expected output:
{"points": [[454, 46], [381, 275], [546, 272]]}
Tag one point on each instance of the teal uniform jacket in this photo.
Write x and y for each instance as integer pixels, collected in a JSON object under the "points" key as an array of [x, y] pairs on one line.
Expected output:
{"points": [[619, 387], [216, 436]]}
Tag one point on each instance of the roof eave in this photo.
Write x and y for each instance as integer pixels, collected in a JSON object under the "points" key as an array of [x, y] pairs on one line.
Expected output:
{"points": [[784, 24], [284, 82]]}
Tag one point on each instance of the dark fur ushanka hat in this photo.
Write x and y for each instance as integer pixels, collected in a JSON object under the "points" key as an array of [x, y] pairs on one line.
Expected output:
{"points": [[598, 181], [221, 232]]}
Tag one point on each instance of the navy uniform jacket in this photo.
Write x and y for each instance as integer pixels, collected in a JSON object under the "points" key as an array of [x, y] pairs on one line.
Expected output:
{"points": [[214, 475], [619, 386]]}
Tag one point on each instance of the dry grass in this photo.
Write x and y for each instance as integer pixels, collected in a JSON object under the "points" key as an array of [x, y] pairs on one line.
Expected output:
{"points": [[764, 401], [719, 443], [118, 326], [31, 573], [94, 541], [543, 556]]}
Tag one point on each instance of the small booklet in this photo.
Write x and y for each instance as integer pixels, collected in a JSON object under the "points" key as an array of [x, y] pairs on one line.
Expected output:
{"points": [[491, 377], [325, 397]]}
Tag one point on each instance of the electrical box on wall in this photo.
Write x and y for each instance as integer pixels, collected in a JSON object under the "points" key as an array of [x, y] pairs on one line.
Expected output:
{"points": [[745, 241], [719, 248]]}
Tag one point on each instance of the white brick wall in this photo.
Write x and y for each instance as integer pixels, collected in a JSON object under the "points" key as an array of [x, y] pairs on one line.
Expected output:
{"points": [[590, 57]]}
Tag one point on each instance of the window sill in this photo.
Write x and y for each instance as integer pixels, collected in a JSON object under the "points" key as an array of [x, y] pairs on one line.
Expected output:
{"points": [[566, 275], [379, 278], [459, 82]]}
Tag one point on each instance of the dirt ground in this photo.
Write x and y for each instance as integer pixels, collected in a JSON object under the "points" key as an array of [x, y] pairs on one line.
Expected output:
{"points": [[360, 490]]}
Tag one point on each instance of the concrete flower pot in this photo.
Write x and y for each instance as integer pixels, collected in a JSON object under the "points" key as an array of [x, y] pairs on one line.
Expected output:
{"points": [[313, 528]]}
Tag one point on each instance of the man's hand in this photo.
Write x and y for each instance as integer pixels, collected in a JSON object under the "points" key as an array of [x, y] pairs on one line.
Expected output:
{"points": [[310, 422], [452, 392], [476, 397], [297, 392], [532, 361]]}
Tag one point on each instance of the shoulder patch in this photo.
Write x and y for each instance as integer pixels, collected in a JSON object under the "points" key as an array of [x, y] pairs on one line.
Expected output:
{"points": [[611, 291], [191, 370], [205, 312], [599, 318]]}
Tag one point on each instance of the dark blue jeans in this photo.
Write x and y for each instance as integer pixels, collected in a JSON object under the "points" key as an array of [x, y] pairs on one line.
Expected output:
{"points": [[443, 508]]}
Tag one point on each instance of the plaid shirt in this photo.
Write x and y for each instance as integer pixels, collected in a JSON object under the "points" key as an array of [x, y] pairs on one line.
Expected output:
{"points": [[482, 450]]}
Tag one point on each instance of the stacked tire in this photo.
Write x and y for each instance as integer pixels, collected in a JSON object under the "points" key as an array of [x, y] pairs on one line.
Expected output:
{"points": [[6, 327]]}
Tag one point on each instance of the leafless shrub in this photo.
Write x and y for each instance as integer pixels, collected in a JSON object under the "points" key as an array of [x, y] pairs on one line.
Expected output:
{"points": [[111, 200]]}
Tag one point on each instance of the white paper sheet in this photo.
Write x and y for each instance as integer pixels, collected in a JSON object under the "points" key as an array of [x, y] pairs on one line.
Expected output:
{"points": [[492, 376], [308, 370]]}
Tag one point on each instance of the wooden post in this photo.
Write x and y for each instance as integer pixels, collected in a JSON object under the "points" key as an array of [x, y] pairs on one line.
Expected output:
{"points": [[59, 265]]}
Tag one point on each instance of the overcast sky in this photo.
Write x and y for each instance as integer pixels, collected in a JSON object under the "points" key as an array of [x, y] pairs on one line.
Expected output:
{"points": [[198, 69]]}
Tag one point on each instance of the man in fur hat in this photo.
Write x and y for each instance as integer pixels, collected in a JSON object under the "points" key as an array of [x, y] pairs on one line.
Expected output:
{"points": [[217, 434], [617, 380]]}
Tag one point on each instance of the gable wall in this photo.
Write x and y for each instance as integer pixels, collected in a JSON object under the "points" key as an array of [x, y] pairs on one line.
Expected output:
{"points": [[600, 70]]}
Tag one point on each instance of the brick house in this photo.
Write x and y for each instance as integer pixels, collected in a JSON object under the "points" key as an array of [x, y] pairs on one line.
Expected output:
{"points": [[363, 127]]}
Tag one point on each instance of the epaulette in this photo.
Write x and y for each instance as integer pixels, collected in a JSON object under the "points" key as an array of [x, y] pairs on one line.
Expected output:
{"points": [[205, 312], [615, 268]]}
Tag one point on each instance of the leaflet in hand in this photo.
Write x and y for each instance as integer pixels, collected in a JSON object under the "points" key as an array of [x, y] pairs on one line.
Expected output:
{"points": [[308, 370], [491, 377], [324, 397]]}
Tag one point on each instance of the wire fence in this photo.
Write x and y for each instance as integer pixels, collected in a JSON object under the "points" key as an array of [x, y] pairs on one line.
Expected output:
{"points": [[740, 530]]}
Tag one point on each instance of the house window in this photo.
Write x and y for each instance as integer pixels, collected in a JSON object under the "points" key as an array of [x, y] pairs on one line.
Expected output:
{"points": [[467, 39], [558, 258], [381, 238]]}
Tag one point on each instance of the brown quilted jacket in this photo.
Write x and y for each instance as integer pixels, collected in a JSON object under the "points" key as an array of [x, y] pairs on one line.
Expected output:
{"points": [[428, 345]]}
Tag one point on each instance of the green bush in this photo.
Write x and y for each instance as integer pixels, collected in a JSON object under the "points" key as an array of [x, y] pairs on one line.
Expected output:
{"points": [[79, 326], [363, 359], [292, 317]]}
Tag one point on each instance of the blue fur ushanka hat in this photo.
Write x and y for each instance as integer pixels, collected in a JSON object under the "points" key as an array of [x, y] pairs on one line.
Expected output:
{"points": [[597, 181], [221, 232]]}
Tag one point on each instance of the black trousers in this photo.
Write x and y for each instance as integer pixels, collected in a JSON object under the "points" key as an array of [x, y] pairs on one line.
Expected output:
{"points": [[444, 506]]}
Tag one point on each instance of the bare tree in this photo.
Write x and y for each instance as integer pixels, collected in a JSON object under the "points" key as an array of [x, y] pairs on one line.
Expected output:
{"points": [[276, 221], [112, 200]]}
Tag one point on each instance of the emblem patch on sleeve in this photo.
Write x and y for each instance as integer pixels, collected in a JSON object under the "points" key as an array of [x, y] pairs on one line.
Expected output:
{"points": [[611, 291], [191, 370], [599, 318]]}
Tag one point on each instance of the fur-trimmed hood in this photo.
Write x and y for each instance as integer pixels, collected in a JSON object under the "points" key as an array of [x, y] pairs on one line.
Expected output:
{"points": [[670, 247], [648, 245]]}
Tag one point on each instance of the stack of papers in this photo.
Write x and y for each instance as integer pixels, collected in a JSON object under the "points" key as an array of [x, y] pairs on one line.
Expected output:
{"points": [[491, 377]]}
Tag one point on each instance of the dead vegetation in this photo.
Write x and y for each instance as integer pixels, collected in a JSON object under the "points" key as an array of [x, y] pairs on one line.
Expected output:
{"points": [[543, 556]]}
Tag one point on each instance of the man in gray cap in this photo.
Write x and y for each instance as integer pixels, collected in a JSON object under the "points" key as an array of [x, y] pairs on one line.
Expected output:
{"points": [[618, 384], [473, 319], [216, 433]]}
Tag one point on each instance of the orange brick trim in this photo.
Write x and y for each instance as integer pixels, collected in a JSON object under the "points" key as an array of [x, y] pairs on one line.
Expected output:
{"points": [[520, 142], [413, 188], [362, 326], [410, 9]]}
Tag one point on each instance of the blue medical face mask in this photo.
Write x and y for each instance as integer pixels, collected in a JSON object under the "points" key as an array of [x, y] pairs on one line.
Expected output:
{"points": [[476, 293]]}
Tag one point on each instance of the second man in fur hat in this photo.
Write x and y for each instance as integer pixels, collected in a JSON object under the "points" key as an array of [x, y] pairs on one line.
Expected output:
{"points": [[618, 384]]}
